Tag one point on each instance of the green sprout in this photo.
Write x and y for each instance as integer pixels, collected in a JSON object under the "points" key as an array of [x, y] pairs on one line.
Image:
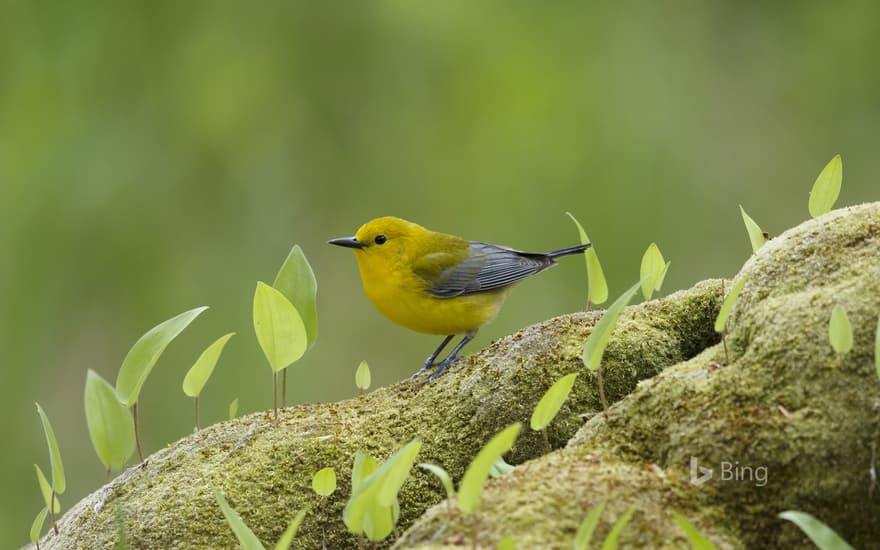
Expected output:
{"points": [[595, 345], [233, 408], [597, 287], [724, 312], [362, 377], [201, 371], [550, 403], [324, 482], [652, 271], [756, 235], [140, 361], [506, 544], [840, 331], [297, 282], [243, 533], [614, 534], [37, 527], [500, 468], [697, 540], [46, 490], [822, 536], [59, 483], [826, 189], [445, 480], [588, 525], [280, 331], [471, 486], [111, 428]]}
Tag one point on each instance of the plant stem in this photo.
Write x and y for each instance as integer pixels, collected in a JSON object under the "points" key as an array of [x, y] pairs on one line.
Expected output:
{"points": [[275, 394], [284, 389], [724, 332], [546, 439], [108, 474], [52, 511], [602, 391], [198, 426], [137, 432]]}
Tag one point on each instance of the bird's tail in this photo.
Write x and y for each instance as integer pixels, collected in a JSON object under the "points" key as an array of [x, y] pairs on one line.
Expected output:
{"points": [[568, 251]]}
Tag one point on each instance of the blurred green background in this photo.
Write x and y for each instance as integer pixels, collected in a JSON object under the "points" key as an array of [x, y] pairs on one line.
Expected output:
{"points": [[157, 156]]}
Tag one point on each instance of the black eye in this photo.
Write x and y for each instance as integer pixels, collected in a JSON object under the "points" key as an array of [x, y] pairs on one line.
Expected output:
{"points": [[380, 239]]}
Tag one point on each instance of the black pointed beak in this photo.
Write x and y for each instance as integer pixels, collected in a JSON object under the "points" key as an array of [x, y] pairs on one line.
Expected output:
{"points": [[347, 242]]}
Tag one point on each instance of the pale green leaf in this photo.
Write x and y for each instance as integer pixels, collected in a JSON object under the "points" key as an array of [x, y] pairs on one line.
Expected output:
{"points": [[822, 536], [279, 327], [324, 482], [362, 378], [756, 234], [549, 405], [146, 351], [826, 188], [111, 428], [58, 481], [727, 306], [652, 270], [287, 537], [695, 537], [399, 467], [378, 522], [37, 525], [233, 408], [598, 339], [364, 465], [614, 534], [506, 544], [471, 486], [46, 489], [296, 281], [500, 468], [840, 330], [442, 475], [598, 288], [588, 525], [243, 533], [199, 373]]}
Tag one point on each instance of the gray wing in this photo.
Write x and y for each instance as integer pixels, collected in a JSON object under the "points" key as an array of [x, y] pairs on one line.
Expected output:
{"points": [[488, 267]]}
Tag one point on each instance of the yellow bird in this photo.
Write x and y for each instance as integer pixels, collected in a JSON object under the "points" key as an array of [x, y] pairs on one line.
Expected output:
{"points": [[437, 283]]}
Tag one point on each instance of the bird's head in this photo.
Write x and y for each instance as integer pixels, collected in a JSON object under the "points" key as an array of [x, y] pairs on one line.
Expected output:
{"points": [[382, 239]]}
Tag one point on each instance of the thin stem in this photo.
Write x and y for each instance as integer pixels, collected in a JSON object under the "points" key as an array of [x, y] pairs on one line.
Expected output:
{"points": [[546, 439], [137, 432], [275, 394], [198, 425], [284, 388], [602, 391], [724, 342], [52, 511], [108, 473]]}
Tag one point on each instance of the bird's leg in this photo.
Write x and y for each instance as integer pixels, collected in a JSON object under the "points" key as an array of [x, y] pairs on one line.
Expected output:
{"points": [[429, 362], [453, 355]]}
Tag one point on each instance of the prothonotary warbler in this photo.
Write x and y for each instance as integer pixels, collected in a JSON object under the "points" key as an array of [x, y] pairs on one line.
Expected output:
{"points": [[437, 283]]}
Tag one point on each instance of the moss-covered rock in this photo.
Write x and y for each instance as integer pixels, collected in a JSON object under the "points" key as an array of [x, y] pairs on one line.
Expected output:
{"points": [[798, 425], [265, 472]]}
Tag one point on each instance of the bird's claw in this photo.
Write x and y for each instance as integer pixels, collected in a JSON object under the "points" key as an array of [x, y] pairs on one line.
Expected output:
{"points": [[442, 366]]}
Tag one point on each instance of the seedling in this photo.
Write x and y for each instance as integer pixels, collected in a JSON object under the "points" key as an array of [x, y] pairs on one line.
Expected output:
{"points": [[324, 482], [724, 312], [59, 483], [588, 525], [597, 288], [756, 235], [297, 282], [243, 533], [280, 331], [201, 371], [652, 271], [233, 408], [142, 357], [826, 188], [111, 428], [824, 537], [37, 527], [550, 403], [614, 534], [506, 544], [697, 540], [362, 377]]}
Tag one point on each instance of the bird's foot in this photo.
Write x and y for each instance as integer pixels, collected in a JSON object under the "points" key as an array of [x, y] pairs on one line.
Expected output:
{"points": [[428, 365], [442, 366]]}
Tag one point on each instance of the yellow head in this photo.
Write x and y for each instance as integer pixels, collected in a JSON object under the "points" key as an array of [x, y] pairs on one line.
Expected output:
{"points": [[382, 243]]}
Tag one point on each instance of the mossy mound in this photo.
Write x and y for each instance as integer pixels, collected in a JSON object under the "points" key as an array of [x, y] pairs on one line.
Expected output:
{"points": [[797, 425], [265, 471]]}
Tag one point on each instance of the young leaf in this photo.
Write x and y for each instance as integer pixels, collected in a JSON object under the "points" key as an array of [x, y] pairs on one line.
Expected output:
{"points": [[822, 536], [598, 339], [199, 373], [46, 490], [290, 532], [364, 465], [58, 481], [697, 540], [756, 235], [37, 525], [471, 486], [506, 544], [110, 425], [826, 188], [324, 482], [243, 533], [549, 405], [598, 288], [500, 468], [392, 479], [652, 271], [727, 306], [586, 528], [362, 377], [442, 476], [280, 329], [146, 351], [233, 408], [840, 331], [296, 281], [614, 534]]}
